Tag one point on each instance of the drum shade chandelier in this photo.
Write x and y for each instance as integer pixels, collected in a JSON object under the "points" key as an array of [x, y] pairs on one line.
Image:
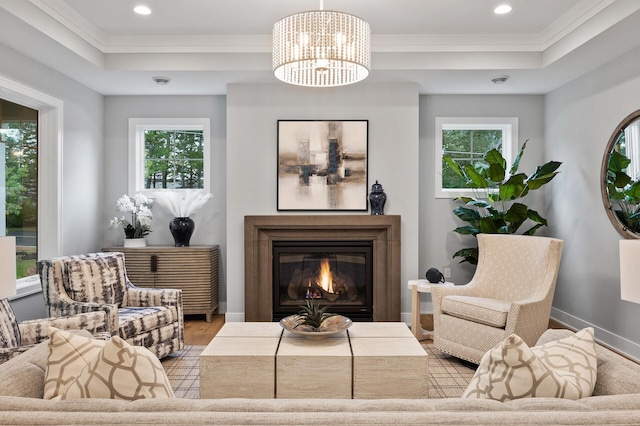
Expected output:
{"points": [[321, 48]]}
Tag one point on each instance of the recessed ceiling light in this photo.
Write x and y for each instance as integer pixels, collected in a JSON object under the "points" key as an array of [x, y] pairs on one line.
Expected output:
{"points": [[142, 10], [502, 9]]}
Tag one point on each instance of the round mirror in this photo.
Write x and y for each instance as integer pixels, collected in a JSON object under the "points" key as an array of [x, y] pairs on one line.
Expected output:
{"points": [[620, 177]]}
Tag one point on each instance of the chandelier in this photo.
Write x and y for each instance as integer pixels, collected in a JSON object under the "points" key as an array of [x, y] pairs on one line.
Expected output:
{"points": [[321, 48]]}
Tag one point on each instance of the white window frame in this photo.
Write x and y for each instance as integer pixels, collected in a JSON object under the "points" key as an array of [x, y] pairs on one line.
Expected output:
{"points": [[50, 125], [509, 127], [137, 127]]}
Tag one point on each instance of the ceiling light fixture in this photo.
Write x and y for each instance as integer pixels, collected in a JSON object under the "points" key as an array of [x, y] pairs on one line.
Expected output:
{"points": [[142, 10], [502, 9], [321, 48], [163, 81]]}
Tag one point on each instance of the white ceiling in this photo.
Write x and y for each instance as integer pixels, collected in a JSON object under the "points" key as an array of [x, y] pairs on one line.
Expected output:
{"points": [[445, 46]]}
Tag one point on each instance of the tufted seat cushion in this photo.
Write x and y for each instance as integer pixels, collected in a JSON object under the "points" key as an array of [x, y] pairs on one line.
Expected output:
{"points": [[134, 321], [491, 312]]}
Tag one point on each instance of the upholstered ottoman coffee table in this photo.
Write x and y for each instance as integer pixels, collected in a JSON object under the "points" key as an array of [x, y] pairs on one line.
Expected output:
{"points": [[261, 360]]}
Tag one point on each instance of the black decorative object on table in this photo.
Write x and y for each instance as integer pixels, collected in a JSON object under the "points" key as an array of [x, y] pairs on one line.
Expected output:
{"points": [[377, 198], [434, 276], [181, 228]]}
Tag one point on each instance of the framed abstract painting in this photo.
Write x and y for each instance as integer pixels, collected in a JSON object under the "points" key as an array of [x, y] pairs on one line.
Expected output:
{"points": [[322, 165]]}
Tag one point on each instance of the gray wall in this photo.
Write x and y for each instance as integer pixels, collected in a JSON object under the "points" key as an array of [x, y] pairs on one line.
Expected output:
{"points": [[437, 241], [211, 219], [82, 172], [580, 118], [252, 115], [81, 156], [571, 124]]}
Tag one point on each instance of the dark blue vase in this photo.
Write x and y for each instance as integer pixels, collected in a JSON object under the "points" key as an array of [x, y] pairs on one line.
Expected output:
{"points": [[377, 198], [181, 228]]}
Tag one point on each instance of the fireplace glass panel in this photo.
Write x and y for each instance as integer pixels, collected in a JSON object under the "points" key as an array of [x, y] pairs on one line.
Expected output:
{"points": [[334, 273]]}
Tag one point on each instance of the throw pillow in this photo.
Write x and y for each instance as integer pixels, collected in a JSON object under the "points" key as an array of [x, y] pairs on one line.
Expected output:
{"points": [[121, 371], [68, 354], [565, 368]]}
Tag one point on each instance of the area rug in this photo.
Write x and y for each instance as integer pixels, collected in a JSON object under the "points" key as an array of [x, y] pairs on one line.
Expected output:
{"points": [[448, 376]]}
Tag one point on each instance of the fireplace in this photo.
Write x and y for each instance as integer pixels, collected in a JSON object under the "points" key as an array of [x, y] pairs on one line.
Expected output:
{"points": [[265, 235], [337, 274]]}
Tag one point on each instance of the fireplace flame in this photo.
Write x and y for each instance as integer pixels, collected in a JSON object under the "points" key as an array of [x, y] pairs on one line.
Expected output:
{"points": [[325, 280]]}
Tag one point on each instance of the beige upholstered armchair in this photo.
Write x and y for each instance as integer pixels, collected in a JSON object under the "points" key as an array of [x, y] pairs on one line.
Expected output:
{"points": [[98, 282], [510, 293]]}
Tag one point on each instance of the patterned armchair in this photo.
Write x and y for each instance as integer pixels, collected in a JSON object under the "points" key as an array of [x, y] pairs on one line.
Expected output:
{"points": [[510, 293], [16, 337], [98, 282]]}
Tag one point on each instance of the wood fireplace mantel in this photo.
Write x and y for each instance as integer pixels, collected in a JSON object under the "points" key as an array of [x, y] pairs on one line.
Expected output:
{"points": [[261, 231]]}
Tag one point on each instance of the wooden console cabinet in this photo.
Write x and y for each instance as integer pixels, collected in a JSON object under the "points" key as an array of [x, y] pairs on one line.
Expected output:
{"points": [[193, 269]]}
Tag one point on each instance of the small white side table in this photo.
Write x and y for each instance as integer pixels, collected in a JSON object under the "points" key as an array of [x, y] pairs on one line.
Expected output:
{"points": [[417, 287]]}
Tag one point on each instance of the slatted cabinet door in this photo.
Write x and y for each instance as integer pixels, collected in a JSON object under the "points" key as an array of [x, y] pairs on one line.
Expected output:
{"points": [[193, 269]]}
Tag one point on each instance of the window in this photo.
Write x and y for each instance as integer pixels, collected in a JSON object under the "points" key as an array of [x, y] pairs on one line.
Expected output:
{"points": [[49, 172], [467, 139], [19, 189], [168, 153]]}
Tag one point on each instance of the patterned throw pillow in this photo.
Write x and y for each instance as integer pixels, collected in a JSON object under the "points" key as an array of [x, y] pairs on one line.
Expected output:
{"points": [[121, 371], [68, 355], [564, 368]]}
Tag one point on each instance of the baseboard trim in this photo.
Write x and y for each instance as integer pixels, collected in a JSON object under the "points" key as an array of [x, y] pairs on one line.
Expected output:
{"points": [[619, 344]]}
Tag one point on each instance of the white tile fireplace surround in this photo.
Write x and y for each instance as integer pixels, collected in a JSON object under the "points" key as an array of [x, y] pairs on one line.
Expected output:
{"points": [[261, 231]]}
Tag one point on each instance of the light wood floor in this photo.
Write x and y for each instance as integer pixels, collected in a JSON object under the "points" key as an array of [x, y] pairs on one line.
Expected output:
{"points": [[199, 332]]}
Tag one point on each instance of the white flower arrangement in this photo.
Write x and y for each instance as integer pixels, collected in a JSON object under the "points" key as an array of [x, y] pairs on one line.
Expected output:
{"points": [[182, 203], [140, 208]]}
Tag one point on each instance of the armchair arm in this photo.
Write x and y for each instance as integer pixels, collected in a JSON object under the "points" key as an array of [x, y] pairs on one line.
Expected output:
{"points": [[528, 319], [437, 293], [7, 353], [66, 307], [144, 297], [35, 331]]}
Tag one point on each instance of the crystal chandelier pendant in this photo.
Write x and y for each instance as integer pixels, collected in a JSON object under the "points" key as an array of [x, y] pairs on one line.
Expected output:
{"points": [[321, 48]]}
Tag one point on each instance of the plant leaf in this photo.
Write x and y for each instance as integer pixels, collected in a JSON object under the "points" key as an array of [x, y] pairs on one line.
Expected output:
{"points": [[618, 162], [493, 156], [468, 254], [516, 213], [497, 165], [467, 230], [633, 192], [516, 162], [620, 179], [454, 165], [543, 174], [496, 172], [614, 193], [487, 225], [466, 214], [476, 180], [535, 216], [513, 188], [533, 229], [478, 203]]}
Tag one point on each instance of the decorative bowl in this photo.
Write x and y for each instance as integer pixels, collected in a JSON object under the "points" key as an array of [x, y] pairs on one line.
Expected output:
{"points": [[332, 325]]}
